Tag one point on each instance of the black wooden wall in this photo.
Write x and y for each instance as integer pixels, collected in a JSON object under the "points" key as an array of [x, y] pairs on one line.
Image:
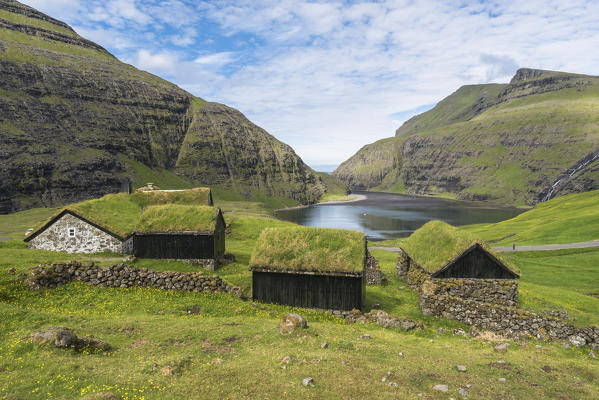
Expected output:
{"points": [[174, 245], [309, 291], [476, 263]]}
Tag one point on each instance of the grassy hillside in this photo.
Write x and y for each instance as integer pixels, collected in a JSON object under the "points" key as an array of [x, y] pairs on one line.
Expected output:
{"points": [[501, 143], [566, 219], [229, 337]]}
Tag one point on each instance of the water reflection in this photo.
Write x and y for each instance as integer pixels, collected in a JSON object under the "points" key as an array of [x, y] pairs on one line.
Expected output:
{"points": [[389, 216]]}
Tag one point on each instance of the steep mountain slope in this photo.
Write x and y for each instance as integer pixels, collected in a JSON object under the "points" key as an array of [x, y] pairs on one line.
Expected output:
{"points": [[519, 143], [77, 123]]}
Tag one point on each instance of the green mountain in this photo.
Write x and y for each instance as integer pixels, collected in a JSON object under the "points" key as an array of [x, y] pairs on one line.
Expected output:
{"points": [[76, 123], [518, 143]]}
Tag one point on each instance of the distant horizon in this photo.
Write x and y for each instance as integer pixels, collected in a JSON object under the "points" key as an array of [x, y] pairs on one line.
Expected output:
{"points": [[328, 168], [329, 77]]}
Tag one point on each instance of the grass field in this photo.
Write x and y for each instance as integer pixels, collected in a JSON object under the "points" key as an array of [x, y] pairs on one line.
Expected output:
{"points": [[565, 219], [232, 348]]}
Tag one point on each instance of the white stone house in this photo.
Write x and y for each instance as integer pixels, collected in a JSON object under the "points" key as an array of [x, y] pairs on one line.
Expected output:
{"points": [[72, 233]]}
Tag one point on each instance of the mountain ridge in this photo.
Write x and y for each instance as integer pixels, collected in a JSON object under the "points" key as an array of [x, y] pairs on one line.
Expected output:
{"points": [[506, 143], [75, 123]]}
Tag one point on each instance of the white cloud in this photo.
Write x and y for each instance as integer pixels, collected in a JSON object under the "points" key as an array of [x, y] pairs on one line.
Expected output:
{"points": [[162, 62], [327, 77]]}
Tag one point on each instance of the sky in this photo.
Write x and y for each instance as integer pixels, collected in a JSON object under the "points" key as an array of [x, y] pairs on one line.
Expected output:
{"points": [[328, 77]]}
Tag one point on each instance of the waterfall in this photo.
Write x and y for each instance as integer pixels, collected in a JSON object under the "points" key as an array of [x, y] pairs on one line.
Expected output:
{"points": [[574, 170]]}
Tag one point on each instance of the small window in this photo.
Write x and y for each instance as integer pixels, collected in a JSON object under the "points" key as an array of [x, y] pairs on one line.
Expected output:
{"points": [[72, 232]]}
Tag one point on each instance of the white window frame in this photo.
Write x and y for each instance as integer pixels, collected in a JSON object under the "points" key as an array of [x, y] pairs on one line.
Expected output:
{"points": [[72, 232]]}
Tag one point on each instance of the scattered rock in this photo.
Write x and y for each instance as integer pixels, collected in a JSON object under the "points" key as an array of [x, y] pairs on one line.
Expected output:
{"points": [[366, 336], [401, 354], [408, 324], [460, 368], [431, 341], [308, 382], [546, 368], [473, 331], [167, 371], [62, 337], [468, 386], [218, 361], [538, 346], [11, 271], [441, 388], [286, 359], [459, 331], [440, 331], [193, 310], [462, 392], [502, 380], [315, 360], [393, 384], [154, 367], [577, 341], [388, 321], [290, 322], [501, 347], [592, 355], [325, 345]]}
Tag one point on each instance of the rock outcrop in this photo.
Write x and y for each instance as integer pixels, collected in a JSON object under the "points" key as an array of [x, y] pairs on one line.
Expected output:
{"points": [[508, 143], [76, 123]]}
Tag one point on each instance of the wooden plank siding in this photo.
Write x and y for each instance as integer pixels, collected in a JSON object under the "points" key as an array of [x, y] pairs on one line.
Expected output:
{"points": [[475, 263], [309, 290], [174, 246]]}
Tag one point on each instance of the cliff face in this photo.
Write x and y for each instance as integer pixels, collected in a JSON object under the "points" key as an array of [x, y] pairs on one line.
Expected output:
{"points": [[508, 143], [74, 121]]}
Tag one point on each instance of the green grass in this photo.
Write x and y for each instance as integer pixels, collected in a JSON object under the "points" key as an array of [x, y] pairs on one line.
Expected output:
{"points": [[232, 348], [310, 249], [177, 217], [161, 177], [22, 19], [336, 197], [437, 243], [565, 219]]}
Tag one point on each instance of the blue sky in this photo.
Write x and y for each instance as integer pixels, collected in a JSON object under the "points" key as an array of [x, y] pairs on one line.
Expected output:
{"points": [[328, 77]]}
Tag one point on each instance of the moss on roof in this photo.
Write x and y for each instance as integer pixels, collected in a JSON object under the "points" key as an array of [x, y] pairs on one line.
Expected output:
{"points": [[310, 249], [178, 218], [196, 197], [437, 243], [119, 213]]}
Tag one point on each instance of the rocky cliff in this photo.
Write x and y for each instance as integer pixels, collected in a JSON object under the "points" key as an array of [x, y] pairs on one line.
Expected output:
{"points": [[518, 143], [77, 123]]}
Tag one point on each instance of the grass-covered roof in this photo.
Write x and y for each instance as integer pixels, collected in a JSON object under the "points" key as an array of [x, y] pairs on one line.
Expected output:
{"points": [[119, 213], [178, 218], [310, 249], [437, 243]]}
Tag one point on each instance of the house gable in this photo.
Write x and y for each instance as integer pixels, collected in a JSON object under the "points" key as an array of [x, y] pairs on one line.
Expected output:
{"points": [[475, 263], [71, 233]]}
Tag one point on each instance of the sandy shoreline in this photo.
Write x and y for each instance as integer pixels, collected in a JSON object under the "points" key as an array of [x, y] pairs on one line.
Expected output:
{"points": [[357, 197]]}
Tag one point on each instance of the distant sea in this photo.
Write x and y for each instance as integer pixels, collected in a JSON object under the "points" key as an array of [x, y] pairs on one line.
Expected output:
{"points": [[324, 168]]}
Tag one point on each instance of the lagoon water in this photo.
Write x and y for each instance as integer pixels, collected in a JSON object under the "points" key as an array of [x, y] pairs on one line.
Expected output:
{"points": [[390, 216]]}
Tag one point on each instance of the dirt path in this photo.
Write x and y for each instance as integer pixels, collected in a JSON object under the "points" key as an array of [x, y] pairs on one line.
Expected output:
{"points": [[506, 249]]}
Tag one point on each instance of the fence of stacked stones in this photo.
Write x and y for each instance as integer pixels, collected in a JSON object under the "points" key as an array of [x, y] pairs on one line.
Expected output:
{"points": [[124, 276]]}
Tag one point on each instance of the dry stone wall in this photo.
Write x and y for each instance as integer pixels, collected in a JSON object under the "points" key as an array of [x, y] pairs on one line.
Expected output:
{"points": [[124, 276], [498, 291], [509, 321], [86, 239], [372, 272]]}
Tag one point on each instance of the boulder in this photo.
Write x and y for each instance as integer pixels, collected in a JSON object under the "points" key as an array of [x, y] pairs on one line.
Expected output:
{"points": [[290, 322], [309, 381], [501, 347], [62, 337], [388, 321], [441, 388], [576, 340], [408, 324]]}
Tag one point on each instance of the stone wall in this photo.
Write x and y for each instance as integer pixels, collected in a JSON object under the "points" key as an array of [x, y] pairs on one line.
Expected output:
{"points": [[508, 321], [498, 291], [87, 239], [121, 275], [372, 273]]}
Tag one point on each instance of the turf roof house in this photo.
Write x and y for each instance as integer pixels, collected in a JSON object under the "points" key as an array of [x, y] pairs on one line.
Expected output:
{"points": [[103, 224], [183, 232], [439, 259], [310, 267]]}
